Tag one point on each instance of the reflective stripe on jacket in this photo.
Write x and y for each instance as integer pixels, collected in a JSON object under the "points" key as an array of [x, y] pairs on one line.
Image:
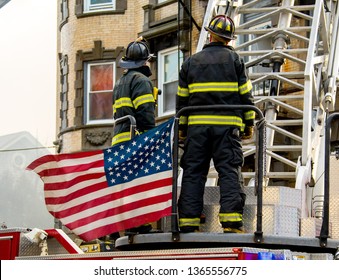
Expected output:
{"points": [[133, 95], [215, 76]]}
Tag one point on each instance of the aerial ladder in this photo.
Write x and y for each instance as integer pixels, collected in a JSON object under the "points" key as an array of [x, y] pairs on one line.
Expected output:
{"points": [[290, 52]]}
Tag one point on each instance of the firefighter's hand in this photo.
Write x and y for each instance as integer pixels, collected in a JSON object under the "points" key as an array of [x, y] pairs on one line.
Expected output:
{"points": [[248, 133]]}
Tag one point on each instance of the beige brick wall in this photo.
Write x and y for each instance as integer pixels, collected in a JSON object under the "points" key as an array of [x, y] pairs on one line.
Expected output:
{"points": [[72, 142], [114, 30], [198, 10], [170, 10]]}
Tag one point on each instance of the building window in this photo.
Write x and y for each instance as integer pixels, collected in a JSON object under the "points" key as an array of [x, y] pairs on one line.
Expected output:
{"points": [[97, 55], [169, 61], [100, 79], [64, 12], [98, 5], [64, 68], [87, 8]]}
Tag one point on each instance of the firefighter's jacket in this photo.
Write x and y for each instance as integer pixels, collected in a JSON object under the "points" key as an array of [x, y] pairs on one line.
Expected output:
{"points": [[215, 76], [133, 95]]}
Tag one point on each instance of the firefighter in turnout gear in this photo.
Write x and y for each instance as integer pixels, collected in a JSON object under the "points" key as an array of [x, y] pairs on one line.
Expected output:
{"points": [[214, 76], [133, 93]]}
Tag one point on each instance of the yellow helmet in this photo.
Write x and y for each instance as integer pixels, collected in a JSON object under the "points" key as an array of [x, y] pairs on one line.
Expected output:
{"points": [[222, 26]]}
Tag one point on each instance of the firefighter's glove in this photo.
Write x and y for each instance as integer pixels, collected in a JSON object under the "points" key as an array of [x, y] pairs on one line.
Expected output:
{"points": [[182, 137], [248, 133]]}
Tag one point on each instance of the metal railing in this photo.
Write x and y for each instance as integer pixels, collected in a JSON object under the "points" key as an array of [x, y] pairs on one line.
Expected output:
{"points": [[324, 232], [131, 119]]}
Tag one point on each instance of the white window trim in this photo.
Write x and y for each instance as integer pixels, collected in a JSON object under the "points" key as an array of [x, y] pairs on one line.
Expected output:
{"points": [[161, 56], [88, 83], [88, 8]]}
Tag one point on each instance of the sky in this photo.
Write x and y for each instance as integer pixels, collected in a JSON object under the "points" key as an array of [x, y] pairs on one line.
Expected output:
{"points": [[28, 66]]}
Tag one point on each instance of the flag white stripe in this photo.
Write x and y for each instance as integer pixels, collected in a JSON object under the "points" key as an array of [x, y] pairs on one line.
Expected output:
{"points": [[68, 177], [81, 185], [123, 216], [69, 241], [117, 203], [98, 194], [74, 188], [79, 200], [78, 192], [69, 162]]}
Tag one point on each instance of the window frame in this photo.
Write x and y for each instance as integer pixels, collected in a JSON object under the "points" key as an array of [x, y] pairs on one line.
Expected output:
{"points": [[161, 71], [93, 8], [87, 91]]}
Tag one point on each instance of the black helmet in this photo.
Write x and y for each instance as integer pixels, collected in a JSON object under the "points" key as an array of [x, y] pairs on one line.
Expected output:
{"points": [[137, 53], [222, 26]]}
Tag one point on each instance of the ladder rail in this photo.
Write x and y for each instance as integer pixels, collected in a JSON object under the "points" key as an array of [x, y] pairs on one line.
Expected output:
{"points": [[311, 87], [207, 18], [310, 53], [213, 8]]}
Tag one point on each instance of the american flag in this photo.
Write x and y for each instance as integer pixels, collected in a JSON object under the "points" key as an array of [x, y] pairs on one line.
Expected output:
{"points": [[100, 192]]}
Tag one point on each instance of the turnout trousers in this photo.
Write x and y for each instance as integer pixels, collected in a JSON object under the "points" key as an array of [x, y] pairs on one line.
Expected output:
{"points": [[223, 145]]}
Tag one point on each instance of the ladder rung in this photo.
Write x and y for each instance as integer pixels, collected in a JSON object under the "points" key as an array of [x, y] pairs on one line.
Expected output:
{"points": [[280, 97], [261, 52], [272, 9], [271, 175], [292, 75], [276, 148], [287, 122]]}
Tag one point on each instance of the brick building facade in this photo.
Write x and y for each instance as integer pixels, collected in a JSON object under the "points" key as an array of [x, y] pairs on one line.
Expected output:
{"points": [[92, 37]]}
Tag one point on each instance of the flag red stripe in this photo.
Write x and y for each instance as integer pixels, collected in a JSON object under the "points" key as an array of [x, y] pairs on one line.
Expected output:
{"points": [[55, 158], [77, 191], [121, 209], [128, 223], [74, 195], [70, 183], [71, 169], [110, 197]]}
